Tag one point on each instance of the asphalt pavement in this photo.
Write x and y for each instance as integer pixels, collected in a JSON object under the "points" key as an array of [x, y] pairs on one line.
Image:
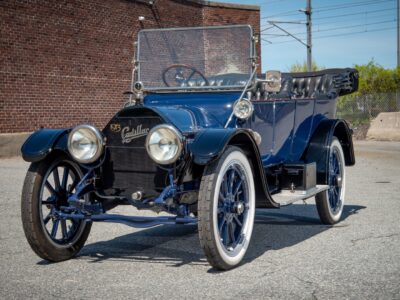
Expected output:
{"points": [[291, 256]]}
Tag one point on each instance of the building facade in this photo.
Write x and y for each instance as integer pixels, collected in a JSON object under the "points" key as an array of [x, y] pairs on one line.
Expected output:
{"points": [[68, 62]]}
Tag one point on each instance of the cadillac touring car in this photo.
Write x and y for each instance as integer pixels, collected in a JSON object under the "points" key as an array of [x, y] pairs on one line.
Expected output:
{"points": [[204, 137]]}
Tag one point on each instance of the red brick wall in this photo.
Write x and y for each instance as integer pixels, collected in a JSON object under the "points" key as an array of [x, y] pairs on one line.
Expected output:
{"points": [[68, 62], [220, 15]]}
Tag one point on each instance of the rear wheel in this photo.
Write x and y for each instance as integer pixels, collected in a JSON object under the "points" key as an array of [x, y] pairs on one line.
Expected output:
{"points": [[330, 202], [47, 186], [226, 209]]}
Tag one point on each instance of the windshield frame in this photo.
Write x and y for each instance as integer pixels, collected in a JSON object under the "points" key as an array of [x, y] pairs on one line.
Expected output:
{"points": [[252, 59]]}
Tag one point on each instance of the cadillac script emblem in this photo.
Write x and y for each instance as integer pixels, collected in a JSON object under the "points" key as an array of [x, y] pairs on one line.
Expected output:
{"points": [[115, 127], [128, 134]]}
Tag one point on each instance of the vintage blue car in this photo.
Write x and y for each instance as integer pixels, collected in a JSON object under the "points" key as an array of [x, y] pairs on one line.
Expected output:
{"points": [[203, 137]]}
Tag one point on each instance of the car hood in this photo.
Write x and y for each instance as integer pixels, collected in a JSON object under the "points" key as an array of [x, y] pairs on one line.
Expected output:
{"points": [[195, 111]]}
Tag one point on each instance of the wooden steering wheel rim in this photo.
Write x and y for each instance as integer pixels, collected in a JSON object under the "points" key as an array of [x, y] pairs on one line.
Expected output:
{"points": [[174, 66]]}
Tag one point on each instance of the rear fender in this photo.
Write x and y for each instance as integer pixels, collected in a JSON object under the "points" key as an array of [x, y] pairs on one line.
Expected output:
{"points": [[42, 142], [210, 144], [318, 147]]}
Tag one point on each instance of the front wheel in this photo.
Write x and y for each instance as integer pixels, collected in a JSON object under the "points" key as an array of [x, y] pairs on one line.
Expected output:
{"points": [[47, 186], [330, 202], [226, 209]]}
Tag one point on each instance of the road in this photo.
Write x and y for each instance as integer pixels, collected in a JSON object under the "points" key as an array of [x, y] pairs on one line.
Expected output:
{"points": [[291, 254]]}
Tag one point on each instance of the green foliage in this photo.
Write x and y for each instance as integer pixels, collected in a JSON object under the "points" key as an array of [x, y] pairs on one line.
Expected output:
{"points": [[377, 92], [302, 67], [376, 79]]}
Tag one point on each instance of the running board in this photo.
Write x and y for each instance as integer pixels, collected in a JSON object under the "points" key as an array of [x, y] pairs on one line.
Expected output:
{"points": [[132, 221], [287, 197]]}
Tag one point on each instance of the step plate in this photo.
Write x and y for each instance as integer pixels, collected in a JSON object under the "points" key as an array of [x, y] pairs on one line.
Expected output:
{"points": [[286, 197]]}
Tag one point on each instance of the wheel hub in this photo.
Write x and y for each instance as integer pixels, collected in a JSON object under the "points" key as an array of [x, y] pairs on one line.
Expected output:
{"points": [[239, 208], [61, 198], [338, 180]]}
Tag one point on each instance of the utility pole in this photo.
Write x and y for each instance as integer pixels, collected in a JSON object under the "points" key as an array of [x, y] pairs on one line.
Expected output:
{"points": [[307, 11], [398, 33], [398, 52], [309, 37]]}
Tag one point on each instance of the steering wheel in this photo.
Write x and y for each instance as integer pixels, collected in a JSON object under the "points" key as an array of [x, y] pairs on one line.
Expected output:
{"points": [[180, 77]]}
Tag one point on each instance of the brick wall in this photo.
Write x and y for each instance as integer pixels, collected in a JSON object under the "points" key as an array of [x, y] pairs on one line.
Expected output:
{"points": [[68, 62], [213, 15]]}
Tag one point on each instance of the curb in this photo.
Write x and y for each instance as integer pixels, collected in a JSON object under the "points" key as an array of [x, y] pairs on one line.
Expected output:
{"points": [[10, 143], [385, 127]]}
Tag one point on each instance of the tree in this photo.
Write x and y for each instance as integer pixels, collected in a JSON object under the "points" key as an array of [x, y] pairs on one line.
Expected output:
{"points": [[376, 79], [302, 67], [376, 93]]}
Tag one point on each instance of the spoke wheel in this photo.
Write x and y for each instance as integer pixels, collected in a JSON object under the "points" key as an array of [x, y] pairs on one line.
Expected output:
{"points": [[330, 202], [47, 187], [226, 209]]}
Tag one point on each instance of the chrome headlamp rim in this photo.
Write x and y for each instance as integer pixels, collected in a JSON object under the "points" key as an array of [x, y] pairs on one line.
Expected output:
{"points": [[250, 105], [99, 138], [180, 144]]}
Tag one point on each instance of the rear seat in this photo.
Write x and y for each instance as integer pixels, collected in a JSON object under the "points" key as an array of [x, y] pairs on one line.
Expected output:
{"points": [[326, 84], [304, 87]]}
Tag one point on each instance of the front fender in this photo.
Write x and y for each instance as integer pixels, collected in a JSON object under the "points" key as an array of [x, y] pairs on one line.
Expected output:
{"points": [[40, 143], [209, 145]]}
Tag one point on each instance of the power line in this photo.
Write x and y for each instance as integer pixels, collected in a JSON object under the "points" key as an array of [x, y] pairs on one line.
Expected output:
{"points": [[330, 7], [333, 22], [341, 34], [353, 14], [357, 19], [348, 5], [341, 27]]}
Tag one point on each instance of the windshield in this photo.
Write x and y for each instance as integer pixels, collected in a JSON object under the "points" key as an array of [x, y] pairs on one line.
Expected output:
{"points": [[195, 58]]}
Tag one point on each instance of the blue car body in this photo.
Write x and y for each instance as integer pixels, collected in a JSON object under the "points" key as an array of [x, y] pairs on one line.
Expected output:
{"points": [[295, 126], [202, 137]]}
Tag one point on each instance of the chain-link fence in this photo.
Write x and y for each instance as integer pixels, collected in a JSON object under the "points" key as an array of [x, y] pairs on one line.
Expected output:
{"points": [[359, 110]]}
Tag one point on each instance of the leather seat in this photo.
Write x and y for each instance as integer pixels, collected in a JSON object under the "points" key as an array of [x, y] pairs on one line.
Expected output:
{"points": [[296, 86], [230, 79]]}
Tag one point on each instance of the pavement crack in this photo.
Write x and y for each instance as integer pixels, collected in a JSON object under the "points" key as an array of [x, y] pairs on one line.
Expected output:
{"points": [[303, 280], [374, 237]]}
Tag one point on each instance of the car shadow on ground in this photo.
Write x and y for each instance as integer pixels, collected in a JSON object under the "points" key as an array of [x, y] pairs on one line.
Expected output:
{"points": [[179, 245]]}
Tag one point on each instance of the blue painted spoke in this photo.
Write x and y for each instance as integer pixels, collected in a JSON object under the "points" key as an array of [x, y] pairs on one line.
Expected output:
{"points": [[47, 219], [238, 186], [56, 178], [226, 236], [334, 173], [55, 228], [221, 195], [236, 218], [221, 225], [225, 184], [232, 192], [50, 188], [231, 180], [64, 229], [65, 178], [73, 185], [49, 201], [231, 232], [75, 224]]}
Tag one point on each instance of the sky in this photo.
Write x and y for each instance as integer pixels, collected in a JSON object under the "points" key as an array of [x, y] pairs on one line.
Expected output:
{"points": [[345, 32]]}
